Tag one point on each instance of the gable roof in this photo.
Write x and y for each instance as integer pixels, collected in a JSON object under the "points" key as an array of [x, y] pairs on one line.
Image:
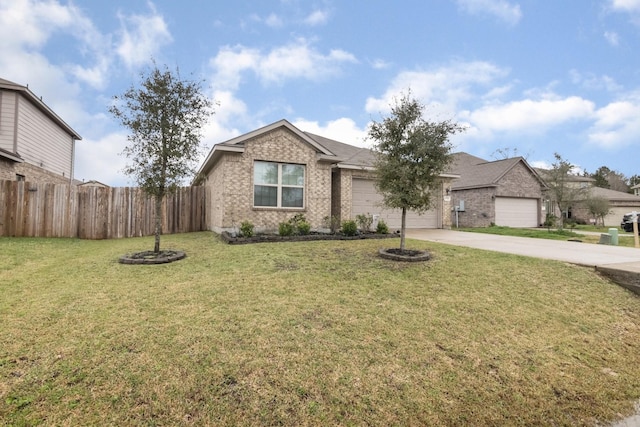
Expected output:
{"points": [[347, 156], [44, 108], [342, 155], [613, 195], [339, 153], [478, 173]]}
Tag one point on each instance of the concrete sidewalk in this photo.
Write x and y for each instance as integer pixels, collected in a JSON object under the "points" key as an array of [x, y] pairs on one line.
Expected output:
{"points": [[621, 264]]}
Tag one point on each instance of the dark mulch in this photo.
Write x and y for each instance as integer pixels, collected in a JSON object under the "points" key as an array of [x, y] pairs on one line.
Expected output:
{"points": [[151, 257], [407, 255], [266, 238]]}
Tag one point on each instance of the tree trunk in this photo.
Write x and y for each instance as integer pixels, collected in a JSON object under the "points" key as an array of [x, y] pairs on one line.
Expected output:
{"points": [[158, 228], [402, 228]]}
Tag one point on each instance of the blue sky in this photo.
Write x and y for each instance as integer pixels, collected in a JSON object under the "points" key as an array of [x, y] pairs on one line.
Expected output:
{"points": [[526, 76]]}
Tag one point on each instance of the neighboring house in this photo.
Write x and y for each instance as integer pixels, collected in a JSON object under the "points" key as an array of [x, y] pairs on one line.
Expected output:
{"points": [[636, 190], [269, 175], [620, 203], [35, 143], [503, 192], [92, 183]]}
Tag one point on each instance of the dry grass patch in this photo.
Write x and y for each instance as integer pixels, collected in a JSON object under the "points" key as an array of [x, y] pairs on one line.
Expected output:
{"points": [[307, 334]]}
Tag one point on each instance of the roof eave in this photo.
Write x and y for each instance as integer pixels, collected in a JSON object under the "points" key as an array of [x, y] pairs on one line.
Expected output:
{"points": [[41, 106]]}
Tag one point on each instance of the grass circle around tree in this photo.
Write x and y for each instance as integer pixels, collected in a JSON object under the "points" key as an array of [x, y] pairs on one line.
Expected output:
{"points": [[151, 257]]}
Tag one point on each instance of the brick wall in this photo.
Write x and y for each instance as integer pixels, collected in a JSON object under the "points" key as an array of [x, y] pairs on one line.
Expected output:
{"points": [[480, 202], [231, 183], [479, 207], [9, 170], [519, 182]]}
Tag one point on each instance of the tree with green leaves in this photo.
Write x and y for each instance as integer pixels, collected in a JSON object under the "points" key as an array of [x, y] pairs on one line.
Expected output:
{"points": [[607, 178], [598, 208], [165, 116], [563, 189], [411, 154]]}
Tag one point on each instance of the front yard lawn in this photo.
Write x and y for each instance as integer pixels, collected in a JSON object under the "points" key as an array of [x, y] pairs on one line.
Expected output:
{"points": [[308, 333], [624, 239]]}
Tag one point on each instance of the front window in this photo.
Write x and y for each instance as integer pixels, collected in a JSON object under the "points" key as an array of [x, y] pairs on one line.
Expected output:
{"points": [[278, 185]]}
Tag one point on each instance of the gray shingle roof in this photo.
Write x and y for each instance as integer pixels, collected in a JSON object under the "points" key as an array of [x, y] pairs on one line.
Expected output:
{"points": [[613, 195], [477, 173], [345, 153]]}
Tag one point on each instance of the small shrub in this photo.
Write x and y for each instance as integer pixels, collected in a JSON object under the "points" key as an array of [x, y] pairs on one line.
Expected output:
{"points": [[246, 229], [364, 221], [285, 229], [332, 223], [349, 228], [550, 221], [382, 228], [304, 228], [297, 219]]}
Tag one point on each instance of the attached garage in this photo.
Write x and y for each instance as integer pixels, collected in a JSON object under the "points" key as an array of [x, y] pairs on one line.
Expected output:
{"points": [[366, 200], [516, 212]]}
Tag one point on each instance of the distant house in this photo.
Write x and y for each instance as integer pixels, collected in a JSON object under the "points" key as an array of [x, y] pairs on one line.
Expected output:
{"points": [[636, 190], [270, 174], [503, 192], [619, 202], [35, 143], [93, 183]]}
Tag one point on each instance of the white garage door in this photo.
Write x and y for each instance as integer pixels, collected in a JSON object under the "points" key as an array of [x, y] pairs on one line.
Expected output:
{"points": [[366, 200], [615, 215], [516, 212]]}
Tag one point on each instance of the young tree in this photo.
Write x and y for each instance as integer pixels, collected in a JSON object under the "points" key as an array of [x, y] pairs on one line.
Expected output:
{"points": [[411, 153], [563, 190], [598, 208], [165, 116]]}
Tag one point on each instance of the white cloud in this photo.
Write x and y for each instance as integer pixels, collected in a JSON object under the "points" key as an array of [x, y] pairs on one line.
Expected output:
{"points": [[528, 115], [26, 26], [442, 88], [617, 124], [501, 9], [295, 60], [141, 37], [626, 5], [593, 82], [380, 64], [612, 38], [273, 21], [317, 17], [100, 159], [343, 130]]}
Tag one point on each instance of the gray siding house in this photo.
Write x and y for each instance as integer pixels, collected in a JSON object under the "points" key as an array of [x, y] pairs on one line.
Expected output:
{"points": [[35, 143]]}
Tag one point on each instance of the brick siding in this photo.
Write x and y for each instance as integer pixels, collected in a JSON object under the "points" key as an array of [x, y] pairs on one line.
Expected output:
{"points": [[231, 183], [9, 170]]}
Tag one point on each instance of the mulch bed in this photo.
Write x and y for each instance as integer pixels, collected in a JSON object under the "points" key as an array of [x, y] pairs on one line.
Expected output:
{"points": [[267, 238], [150, 257]]}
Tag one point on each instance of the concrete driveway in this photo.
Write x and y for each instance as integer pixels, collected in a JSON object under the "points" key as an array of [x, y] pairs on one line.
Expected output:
{"points": [[573, 252]]}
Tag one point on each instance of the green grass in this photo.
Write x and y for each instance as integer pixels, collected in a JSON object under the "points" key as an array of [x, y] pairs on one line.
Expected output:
{"points": [[316, 333], [624, 239]]}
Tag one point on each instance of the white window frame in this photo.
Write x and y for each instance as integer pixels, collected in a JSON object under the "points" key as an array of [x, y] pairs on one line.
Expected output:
{"points": [[279, 186]]}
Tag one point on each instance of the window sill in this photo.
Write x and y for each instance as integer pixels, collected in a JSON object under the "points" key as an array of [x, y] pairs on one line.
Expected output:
{"points": [[265, 208]]}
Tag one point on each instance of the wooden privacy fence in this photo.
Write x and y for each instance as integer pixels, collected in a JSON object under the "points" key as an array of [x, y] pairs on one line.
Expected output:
{"points": [[55, 210]]}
